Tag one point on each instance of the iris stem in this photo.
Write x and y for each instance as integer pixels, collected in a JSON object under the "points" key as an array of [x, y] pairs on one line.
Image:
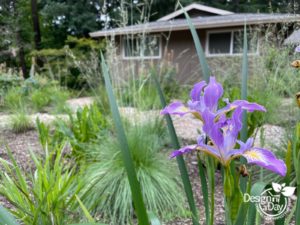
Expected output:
{"points": [[212, 189], [228, 185]]}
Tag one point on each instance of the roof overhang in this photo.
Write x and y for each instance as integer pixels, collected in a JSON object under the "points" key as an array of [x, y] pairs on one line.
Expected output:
{"points": [[200, 23]]}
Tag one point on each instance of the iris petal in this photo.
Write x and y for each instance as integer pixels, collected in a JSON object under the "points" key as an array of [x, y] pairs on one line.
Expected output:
{"points": [[196, 91], [212, 93], [208, 148], [183, 150], [175, 108], [266, 159], [249, 106], [212, 129]]}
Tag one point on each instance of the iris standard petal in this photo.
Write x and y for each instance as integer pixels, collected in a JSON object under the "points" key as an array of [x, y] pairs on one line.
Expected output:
{"points": [[212, 93], [197, 90], [297, 49], [266, 159], [212, 128], [197, 106], [175, 108], [183, 150]]}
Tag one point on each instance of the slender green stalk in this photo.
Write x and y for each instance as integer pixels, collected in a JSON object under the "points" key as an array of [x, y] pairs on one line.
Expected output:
{"points": [[211, 178], [228, 183], [244, 131], [243, 210], [256, 190], [180, 161], [204, 189], [296, 155], [6, 217], [198, 46], [297, 215], [244, 84], [129, 166]]}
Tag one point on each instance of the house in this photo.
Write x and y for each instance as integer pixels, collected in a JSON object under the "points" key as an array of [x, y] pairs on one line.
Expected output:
{"points": [[169, 38], [293, 39]]}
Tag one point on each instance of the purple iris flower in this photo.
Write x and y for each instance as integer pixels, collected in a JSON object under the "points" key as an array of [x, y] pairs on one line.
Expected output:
{"points": [[297, 49], [206, 97], [223, 136], [222, 130]]}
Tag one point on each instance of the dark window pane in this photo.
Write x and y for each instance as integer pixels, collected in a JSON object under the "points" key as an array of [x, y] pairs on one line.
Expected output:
{"points": [[252, 40], [219, 43], [131, 47], [151, 46]]}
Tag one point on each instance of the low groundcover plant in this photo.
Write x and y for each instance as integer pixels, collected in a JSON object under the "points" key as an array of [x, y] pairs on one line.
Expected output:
{"points": [[221, 128]]}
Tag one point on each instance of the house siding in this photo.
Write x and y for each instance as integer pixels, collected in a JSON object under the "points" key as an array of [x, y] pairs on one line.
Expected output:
{"points": [[178, 52]]}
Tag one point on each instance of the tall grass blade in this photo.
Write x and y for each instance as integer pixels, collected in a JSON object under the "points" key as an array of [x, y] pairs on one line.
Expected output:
{"points": [[256, 190], [129, 166], [204, 189], [180, 161], [153, 219], [211, 180], [198, 46], [6, 217], [297, 215], [244, 131], [85, 210], [244, 84], [243, 210], [88, 224], [290, 216], [296, 155], [288, 162]]}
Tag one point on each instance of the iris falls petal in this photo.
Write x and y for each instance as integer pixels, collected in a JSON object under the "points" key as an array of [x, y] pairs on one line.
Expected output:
{"points": [[266, 159], [175, 108], [183, 150]]}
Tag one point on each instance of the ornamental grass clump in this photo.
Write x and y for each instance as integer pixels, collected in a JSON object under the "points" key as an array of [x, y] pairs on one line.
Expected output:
{"points": [[108, 191], [221, 129]]}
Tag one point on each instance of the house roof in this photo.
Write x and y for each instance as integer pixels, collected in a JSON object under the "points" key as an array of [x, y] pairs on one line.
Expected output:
{"points": [[237, 19], [293, 39], [195, 6]]}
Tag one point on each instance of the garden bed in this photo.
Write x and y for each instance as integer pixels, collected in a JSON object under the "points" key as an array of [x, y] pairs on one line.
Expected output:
{"points": [[187, 128]]}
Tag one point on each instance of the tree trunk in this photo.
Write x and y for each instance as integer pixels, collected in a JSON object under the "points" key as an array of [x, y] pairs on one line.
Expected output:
{"points": [[21, 55], [36, 29], [36, 24], [23, 63]]}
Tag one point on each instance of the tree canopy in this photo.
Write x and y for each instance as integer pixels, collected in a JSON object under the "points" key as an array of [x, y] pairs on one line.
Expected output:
{"points": [[41, 24]]}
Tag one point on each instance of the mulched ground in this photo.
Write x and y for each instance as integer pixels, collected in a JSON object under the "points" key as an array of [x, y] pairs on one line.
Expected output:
{"points": [[21, 143]]}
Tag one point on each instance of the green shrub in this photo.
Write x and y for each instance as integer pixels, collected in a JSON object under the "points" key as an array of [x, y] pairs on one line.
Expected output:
{"points": [[45, 197], [21, 122], [109, 192], [7, 82], [59, 96], [84, 128], [40, 99], [14, 99]]}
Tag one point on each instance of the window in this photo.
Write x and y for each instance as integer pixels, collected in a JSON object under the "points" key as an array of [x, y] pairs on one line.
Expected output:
{"points": [[145, 47], [230, 42]]}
